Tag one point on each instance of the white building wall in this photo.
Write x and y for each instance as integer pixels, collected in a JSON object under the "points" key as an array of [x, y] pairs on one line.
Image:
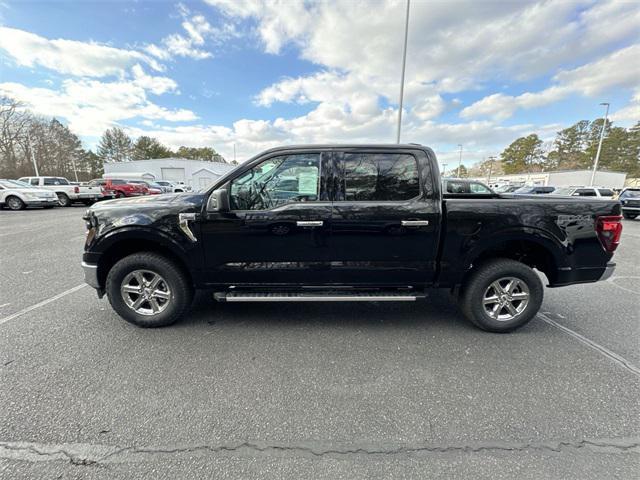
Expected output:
{"points": [[173, 169], [562, 179]]}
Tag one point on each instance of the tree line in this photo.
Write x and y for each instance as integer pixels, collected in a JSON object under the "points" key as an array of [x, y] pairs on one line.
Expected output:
{"points": [[26, 138], [116, 146], [573, 148]]}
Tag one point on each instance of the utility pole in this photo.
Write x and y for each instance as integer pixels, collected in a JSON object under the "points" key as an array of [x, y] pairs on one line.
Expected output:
{"points": [[444, 169], [33, 157], [234, 153], [490, 169], [75, 171], [460, 161], [604, 125], [404, 65]]}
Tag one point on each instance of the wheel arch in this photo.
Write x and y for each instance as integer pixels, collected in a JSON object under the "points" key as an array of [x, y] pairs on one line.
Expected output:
{"points": [[538, 251], [117, 246]]}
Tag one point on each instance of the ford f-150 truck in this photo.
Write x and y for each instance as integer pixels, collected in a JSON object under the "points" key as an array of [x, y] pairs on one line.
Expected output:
{"points": [[66, 192], [344, 223]]}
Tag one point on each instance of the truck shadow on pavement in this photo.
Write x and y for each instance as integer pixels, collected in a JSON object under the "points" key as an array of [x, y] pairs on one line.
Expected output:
{"points": [[437, 311]]}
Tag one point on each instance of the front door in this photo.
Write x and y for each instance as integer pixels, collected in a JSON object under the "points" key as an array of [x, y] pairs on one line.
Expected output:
{"points": [[385, 218], [276, 231]]}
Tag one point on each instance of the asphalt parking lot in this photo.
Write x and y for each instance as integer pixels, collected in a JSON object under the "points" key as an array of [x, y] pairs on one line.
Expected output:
{"points": [[377, 390]]}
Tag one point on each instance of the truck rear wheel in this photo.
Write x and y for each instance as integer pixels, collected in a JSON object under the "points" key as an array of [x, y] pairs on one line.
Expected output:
{"points": [[63, 200], [501, 295], [148, 290]]}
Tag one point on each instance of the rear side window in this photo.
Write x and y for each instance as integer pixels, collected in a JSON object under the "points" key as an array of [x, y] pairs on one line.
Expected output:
{"points": [[379, 177], [50, 181], [457, 187], [585, 192], [605, 192], [478, 188], [118, 182]]}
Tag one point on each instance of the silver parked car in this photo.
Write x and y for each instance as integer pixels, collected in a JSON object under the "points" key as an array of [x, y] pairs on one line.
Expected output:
{"points": [[17, 195]]}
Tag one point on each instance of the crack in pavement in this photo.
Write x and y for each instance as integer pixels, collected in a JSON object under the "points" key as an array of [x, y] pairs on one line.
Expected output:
{"points": [[92, 454]]}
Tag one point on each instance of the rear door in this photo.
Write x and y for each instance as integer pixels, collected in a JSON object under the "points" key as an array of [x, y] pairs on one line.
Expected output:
{"points": [[385, 218]]}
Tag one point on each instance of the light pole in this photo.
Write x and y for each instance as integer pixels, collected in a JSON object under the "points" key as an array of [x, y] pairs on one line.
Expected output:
{"points": [[491, 159], [33, 157], [460, 161], [444, 169], [404, 65], [604, 125]]}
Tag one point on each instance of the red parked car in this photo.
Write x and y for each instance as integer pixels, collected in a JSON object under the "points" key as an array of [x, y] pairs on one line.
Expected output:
{"points": [[149, 188], [118, 188]]}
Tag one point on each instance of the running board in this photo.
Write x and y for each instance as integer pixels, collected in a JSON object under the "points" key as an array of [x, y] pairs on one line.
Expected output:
{"points": [[316, 297]]}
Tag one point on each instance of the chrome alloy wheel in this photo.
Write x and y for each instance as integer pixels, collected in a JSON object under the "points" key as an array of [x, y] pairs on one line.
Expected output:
{"points": [[505, 298], [145, 292]]}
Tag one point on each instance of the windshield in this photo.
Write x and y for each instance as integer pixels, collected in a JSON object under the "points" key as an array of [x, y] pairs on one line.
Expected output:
{"points": [[630, 194]]}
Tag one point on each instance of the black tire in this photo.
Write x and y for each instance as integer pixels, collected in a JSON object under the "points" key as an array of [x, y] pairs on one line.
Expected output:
{"points": [[14, 203], [119, 195], [63, 200], [48, 207], [480, 283], [629, 216], [181, 291]]}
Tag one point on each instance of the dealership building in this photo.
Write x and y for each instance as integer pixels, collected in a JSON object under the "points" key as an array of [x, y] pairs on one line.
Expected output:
{"points": [[563, 178], [197, 173]]}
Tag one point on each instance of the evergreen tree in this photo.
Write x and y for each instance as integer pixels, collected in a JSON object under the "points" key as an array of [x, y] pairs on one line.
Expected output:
{"points": [[523, 155], [147, 147], [115, 146]]}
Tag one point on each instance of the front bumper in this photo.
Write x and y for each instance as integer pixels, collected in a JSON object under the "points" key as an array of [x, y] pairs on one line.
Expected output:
{"points": [[91, 275], [631, 209]]}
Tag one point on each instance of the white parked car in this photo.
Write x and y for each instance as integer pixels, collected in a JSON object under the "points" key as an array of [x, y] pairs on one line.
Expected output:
{"points": [[585, 192], [66, 192], [17, 195], [174, 187]]}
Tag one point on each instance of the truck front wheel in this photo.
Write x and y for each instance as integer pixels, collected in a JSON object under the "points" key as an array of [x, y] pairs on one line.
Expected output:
{"points": [[148, 290], [501, 295]]}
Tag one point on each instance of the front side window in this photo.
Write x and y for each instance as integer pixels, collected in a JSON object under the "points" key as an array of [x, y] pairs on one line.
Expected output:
{"points": [[277, 181], [34, 181], [457, 187], [379, 177], [585, 192], [605, 192]]}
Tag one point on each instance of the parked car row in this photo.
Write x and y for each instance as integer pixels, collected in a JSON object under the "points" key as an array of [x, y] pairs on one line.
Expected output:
{"points": [[48, 192]]}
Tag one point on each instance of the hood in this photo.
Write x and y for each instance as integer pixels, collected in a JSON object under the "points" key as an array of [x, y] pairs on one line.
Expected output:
{"points": [[168, 201]]}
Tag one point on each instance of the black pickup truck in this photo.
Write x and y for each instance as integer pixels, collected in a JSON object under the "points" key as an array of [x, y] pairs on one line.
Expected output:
{"points": [[344, 223]]}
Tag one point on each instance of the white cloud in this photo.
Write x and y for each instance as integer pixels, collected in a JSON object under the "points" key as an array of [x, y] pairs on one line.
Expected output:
{"points": [[619, 70], [157, 85], [197, 31], [629, 113], [71, 57], [90, 106]]}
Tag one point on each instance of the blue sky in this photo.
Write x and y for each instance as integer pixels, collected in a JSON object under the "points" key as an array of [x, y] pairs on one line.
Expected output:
{"points": [[262, 73]]}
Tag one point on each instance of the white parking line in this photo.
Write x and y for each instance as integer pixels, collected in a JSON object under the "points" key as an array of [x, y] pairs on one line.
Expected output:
{"points": [[604, 351], [42, 303]]}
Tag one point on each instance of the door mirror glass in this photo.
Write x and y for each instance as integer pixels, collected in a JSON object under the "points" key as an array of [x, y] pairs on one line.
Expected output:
{"points": [[218, 201]]}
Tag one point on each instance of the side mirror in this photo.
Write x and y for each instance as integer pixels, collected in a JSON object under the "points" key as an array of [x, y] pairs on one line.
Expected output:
{"points": [[218, 201]]}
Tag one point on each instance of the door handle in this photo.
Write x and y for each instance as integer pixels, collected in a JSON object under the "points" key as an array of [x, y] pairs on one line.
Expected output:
{"points": [[314, 223], [415, 223]]}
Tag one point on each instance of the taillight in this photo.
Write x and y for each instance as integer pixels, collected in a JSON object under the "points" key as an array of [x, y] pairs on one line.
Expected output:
{"points": [[609, 230], [76, 189]]}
